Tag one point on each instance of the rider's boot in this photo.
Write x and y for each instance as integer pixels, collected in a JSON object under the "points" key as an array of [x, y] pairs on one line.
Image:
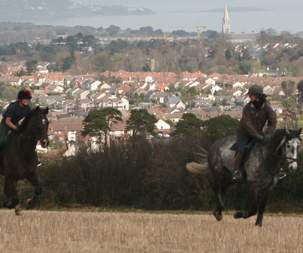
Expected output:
{"points": [[237, 174]]}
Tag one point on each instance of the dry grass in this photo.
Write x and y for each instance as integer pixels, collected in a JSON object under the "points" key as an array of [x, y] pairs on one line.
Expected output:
{"points": [[39, 231]]}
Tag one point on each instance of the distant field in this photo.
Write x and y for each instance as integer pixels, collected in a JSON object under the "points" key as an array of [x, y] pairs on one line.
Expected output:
{"points": [[38, 231]]}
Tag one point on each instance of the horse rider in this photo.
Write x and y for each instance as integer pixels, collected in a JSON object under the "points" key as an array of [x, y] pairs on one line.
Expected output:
{"points": [[13, 114], [255, 115]]}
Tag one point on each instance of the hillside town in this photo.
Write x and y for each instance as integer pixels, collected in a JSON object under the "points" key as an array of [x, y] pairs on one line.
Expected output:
{"points": [[166, 95]]}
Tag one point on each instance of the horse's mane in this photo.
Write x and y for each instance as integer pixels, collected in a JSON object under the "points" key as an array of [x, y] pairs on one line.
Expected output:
{"points": [[276, 140]]}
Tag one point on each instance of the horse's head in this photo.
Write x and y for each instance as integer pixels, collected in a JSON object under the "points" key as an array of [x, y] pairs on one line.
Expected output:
{"points": [[289, 146], [36, 125]]}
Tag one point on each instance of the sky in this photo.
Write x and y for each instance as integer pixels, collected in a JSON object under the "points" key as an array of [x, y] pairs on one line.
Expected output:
{"points": [[207, 4], [246, 15]]}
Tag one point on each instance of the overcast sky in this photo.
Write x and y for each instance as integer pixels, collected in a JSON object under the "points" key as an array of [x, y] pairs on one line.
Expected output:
{"points": [[246, 15], [207, 4]]}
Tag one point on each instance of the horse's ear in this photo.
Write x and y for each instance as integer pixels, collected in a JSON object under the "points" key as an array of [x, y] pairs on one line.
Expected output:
{"points": [[287, 131], [37, 108], [299, 131]]}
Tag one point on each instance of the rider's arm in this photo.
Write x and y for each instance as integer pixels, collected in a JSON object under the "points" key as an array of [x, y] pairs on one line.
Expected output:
{"points": [[10, 124], [271, 120]]}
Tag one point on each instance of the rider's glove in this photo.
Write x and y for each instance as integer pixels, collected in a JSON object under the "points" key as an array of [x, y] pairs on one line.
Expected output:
{"points": [[267, 137], [260, 138]]}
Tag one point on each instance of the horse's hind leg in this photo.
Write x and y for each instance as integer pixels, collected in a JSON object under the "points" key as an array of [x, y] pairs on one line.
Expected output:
{"points": [[219, 206], [10, 191], [262, 197], [219, 192], [33, 179]]}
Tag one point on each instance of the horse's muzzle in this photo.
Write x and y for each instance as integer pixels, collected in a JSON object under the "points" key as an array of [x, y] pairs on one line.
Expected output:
{"points": [[293, 165]]}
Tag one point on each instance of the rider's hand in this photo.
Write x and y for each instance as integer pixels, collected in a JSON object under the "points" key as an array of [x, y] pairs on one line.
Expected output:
{"points": [[260, 138], [267, 138]]}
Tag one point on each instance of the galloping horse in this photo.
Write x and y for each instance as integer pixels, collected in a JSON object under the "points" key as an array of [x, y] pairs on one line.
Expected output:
{"points": [[261, 168], [18, 159]]}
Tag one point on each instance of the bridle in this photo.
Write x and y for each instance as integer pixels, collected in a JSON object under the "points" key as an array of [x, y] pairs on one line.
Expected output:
{"points": [[289, 159]]}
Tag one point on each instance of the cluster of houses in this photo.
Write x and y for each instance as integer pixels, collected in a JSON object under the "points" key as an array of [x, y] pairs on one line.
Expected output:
{"points": [[166, 95]]}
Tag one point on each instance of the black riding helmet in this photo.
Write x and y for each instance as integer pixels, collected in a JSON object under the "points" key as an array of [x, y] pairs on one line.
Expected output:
{"points": [[24, 94], [256, 90]]}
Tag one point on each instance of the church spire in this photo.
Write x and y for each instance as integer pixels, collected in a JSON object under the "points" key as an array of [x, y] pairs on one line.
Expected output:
{"points": [[226, 21]]}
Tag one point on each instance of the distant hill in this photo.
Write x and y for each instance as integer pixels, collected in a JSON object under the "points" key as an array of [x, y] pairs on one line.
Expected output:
{"points": [[32, 10]]}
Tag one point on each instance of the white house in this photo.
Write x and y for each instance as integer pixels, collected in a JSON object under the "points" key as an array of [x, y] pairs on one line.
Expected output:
{"points": [[149, 79], [194, 84], [210, 81], [75, 91], [58, 89], [152, 87], [100, 96], [162, 125], [123, 104], [238, 85], [105, 86], [181, 106], [84, 95], [268, 90], [113, 102], [95, 85], [214, 89]]}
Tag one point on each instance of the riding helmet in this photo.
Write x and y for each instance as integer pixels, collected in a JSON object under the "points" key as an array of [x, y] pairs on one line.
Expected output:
{"points": [[255, 90], [24, 94]]}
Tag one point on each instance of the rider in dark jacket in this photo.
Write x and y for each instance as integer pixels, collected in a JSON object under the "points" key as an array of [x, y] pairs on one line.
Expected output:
{"points": [[256, 114], [13, 114]]}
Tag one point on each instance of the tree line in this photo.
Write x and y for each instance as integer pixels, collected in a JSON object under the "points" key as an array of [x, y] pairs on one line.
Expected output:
{"points": [[214, 53]]}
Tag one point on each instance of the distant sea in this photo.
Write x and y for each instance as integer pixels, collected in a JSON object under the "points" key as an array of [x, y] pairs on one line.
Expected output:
{"points": [[240, 21]]}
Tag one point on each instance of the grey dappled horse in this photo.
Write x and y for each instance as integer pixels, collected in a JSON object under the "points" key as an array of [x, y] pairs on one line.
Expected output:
{"points": [[18, 159], [261, 168]]}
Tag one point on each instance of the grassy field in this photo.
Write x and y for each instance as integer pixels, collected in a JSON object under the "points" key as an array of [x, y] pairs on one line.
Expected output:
{"points": [[42, 231]]}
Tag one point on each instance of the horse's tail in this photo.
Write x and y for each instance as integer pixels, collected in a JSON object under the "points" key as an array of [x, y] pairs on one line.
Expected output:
{"points": [[199, 168]]}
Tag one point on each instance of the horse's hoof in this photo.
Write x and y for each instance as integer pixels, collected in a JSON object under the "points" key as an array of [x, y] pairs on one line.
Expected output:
{"points": [[258, 224], [11, 204], [18, 210], [218, 216], [29, 203], [238, 215]]}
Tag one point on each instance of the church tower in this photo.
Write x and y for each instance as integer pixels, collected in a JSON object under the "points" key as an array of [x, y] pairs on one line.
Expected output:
{"points": [[226, 22]]}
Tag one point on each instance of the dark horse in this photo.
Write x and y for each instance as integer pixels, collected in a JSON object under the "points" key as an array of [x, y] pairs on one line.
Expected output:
{"points": [[18, 159], [261, 168]]}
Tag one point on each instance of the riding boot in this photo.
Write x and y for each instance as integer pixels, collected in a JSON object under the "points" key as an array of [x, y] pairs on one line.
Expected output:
{"points": [[237, 174]]}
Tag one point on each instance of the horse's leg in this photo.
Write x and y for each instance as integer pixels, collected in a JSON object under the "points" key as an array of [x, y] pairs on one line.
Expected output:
{"points": [[10, 191], [251, 207], [219, 205], [33, 179], [262, 197], [219, 190]]}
